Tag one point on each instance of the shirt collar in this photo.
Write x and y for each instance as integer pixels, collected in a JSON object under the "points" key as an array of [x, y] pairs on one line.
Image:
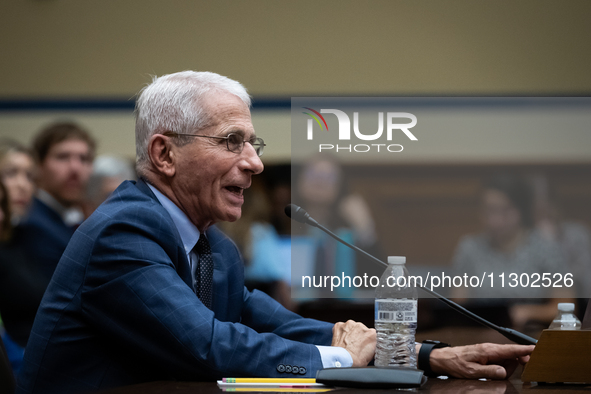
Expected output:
{"points": [[187, 230], [70, 216]]}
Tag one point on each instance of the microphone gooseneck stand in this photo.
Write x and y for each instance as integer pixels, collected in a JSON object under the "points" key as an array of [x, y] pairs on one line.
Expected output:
{"points": [[300, 215]]}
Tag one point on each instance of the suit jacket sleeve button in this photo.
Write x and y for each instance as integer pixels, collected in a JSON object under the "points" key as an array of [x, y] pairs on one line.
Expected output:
{"points": [[295, 369], [302, 371], [281, 368], [288, 368]]}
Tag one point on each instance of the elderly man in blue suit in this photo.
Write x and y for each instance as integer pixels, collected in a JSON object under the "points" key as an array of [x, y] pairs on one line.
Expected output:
{"points": [[148, 290]]}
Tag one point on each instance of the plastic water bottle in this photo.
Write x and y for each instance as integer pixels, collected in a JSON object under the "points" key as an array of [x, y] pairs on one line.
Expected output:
{"points": [[396, 317], [565, 319]]}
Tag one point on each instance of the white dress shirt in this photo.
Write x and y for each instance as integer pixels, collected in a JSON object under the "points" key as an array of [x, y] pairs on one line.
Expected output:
{"points": [[72, 216]]}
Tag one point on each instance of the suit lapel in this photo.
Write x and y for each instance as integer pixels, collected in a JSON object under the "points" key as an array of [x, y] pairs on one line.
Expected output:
{"points": [[183, 268], [228, 274], [218, 242]]}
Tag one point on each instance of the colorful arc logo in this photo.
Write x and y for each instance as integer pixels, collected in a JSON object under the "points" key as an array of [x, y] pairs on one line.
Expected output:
{"points": [[316, 118]]}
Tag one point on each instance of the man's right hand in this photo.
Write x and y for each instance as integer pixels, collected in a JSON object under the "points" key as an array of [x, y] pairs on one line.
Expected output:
{"points": [[357, 339], [484, 360]]}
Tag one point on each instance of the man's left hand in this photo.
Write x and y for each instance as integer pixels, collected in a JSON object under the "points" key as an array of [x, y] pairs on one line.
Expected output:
{"points": [[485, 360]]}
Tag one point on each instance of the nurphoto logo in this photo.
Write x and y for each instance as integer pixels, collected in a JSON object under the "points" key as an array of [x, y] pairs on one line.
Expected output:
{"points": [[393, 124]]}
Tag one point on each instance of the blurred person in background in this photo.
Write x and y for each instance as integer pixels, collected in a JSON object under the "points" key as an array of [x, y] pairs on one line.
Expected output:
{"points": [[278, 185], [64, 154], [266, 253], [573, 237], [508, 245], [322, 191], [5, 227], [107, 174], [17, 172], [21, 288]]}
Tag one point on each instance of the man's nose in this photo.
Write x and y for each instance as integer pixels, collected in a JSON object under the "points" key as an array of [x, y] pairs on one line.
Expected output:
{"points": [[76, 163], [252, 159], [23, 181]]}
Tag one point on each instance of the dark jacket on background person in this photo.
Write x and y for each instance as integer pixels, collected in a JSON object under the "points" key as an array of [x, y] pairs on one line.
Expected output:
{"points": [[21, 290], [44, 235]]}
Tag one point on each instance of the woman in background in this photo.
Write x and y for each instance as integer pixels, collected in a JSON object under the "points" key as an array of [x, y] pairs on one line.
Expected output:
{"points": [[16, 172], [322, 190], [21, 288]]}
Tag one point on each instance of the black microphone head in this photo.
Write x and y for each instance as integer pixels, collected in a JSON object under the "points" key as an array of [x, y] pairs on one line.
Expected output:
{"points": [[287, 210], [299, 214]]}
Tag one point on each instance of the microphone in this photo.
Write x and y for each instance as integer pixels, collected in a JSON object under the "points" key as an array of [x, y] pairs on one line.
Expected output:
{"points": [[299, 214]]}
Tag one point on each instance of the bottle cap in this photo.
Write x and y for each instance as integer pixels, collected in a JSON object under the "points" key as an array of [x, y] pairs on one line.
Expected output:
{"points": [[566, 307], [396, 260]]}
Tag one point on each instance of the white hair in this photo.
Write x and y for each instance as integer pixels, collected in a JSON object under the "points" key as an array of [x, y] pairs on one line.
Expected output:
{"points": [[112, 166], [107, 166], [176, 102]]}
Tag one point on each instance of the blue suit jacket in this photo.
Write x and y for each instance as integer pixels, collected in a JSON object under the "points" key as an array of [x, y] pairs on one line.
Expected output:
{"points": [[120, 309], [44, 236]]}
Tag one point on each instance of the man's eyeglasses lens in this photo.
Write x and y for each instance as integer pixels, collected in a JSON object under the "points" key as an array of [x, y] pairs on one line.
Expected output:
{"points": [[234, 142]]}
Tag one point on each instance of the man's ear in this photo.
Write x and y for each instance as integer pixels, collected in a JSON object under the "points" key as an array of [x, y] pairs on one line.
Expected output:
{"points": [[162, 156]]}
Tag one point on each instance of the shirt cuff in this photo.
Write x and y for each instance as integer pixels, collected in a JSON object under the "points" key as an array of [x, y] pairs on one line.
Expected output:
{"points": [[335, 357]]}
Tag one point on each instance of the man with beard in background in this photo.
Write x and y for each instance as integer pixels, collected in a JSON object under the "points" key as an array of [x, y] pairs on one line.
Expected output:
{"points": [[64, 153]]}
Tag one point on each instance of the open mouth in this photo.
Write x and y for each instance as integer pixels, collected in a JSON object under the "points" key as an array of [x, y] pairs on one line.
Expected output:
{"points": [[235, 189]]}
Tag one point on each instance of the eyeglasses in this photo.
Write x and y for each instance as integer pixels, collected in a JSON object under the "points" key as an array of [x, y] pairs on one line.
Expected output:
{"points": [[234, 142]]}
